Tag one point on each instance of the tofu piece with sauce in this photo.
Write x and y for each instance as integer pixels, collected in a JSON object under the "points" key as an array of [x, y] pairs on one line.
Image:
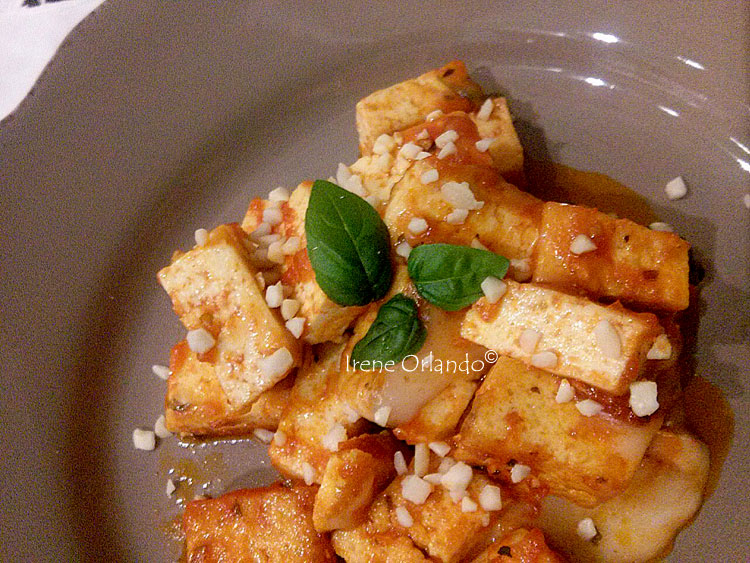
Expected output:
{"points": [[196, 404], [324, 320], [440, 528], [314, 409], [507, 223], [566, 335], [631, 262], [214, 287], [515, 418], [407, 103], [354, 475], [639, 524], [407, 389], [272, 524]]}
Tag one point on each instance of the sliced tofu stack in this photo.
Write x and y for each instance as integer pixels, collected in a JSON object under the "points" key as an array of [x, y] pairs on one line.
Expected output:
{"points": [[422, 397], [214, 290], [515, 418], [417, 520], [623, 261], [566, 335], [316, 418], [272, 524], [354, 475], [196, 404], [404, 104], [639, 524]]}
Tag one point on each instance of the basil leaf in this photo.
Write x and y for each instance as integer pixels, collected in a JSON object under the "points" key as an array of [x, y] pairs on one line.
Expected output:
{"points": [[396, 333], [348, 246], [450, 276]]}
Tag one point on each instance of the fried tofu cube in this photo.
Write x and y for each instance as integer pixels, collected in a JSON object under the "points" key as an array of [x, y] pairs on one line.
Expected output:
{"points": [[325, 321], [507, 223], [272, 524], [631, 263], [315, 407], [196, 404], [506, 150], [377, 540], [515, 418], [524, 545], [438, 419], [405, 388], [639, 524], [214, 287], [602, 346], [444, 527], [354, 475], [407, 103]]}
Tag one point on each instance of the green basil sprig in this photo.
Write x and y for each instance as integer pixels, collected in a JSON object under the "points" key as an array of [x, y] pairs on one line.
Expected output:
{"points": [[348, 246], [396, 333], [450, 276]]}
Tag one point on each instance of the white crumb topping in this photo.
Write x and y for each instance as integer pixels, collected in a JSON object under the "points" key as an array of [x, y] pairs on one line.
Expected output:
{"points": [[399, 463], [162, 372], [160, 427], [272, 216], [403, 517], [608, 339], [144, 439], [586, 529], [276, 252], [200, 340], [289, 308], [458, 477], [263, 435], [433, 478], [565, 392], [468, 505], [529, 339], [643, 398], [445, 464], [483, 145], [490, 498], [351, 415], [441, 449], [278, 194], [403, 249], [261, 230], [342, 174], [449, 136], [277, 364], [201, 237], [433, 115], [659, 226], [429, 176], [493, 289], [421, 459], [410, 150], [382, 415], [422, 155], [457, 216], [383, 144], [275, 295], [291, 246], [296, 326], [279, 438], [334, 437], [589, 407], [308, 473], [661, 349], [581, 245], [415, 489], [460, 196], [544, 360], [519, 472], [423, 134], [417, 226], [447, 150], [486, 110], [676, 188]]}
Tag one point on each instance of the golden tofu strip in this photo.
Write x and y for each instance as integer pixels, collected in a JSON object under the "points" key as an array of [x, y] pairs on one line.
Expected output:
{"points": [[515, 418], [404, 104], [272, 524], [566, 335], [215, 291]]}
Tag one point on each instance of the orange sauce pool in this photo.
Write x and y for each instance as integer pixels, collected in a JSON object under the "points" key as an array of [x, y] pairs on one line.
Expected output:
{"points": [[707, 413]]}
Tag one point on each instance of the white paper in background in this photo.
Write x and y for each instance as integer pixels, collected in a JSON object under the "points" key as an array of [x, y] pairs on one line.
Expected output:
{"points": [[29, 38]]}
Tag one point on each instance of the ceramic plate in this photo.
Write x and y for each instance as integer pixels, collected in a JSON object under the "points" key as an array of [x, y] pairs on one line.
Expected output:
{"points": [[155, 120]]}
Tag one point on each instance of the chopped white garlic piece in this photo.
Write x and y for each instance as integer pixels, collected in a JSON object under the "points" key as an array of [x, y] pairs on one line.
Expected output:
{"points": [[493, 289], [565, 392], [676, 188], [643, 398], [608, 339], [581, 245]]}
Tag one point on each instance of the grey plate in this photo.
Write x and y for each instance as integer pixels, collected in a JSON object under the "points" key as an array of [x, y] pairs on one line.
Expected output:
{"points": [[155, 119]]}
